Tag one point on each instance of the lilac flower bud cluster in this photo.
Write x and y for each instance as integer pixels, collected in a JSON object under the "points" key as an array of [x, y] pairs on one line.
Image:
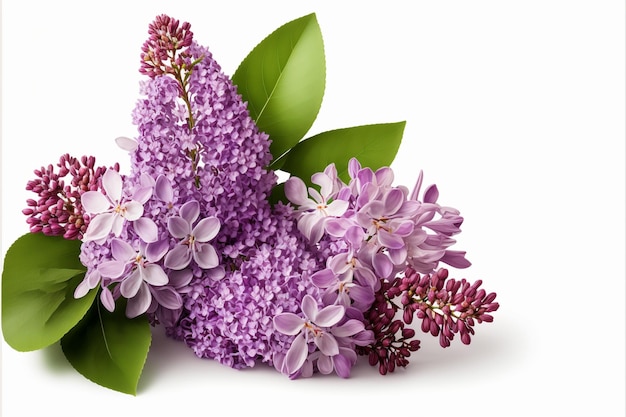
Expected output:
{"points": [[58, 211], [445, 306], [167, 36], [392, 344]]}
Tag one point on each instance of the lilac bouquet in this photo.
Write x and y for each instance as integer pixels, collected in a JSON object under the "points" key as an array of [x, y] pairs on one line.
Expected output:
{"points": [[199, 237]]}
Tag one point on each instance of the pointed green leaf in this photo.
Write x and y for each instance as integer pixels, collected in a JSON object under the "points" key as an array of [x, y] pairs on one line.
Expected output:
{"points": [[109, 348], [283, 80], [38, 281], [374, 146]]}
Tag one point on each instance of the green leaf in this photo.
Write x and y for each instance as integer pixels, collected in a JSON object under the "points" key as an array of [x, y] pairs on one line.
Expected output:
{"points": [[38, 281], [109, 348], [283, 80], [278, 194], [374, 146]]}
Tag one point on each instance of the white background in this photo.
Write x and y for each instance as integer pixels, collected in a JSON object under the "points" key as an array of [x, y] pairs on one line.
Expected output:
{"points": [[514, 108]]}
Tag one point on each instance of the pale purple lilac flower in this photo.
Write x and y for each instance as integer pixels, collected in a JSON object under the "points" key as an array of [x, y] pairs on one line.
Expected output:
{"points": [[315, 206], [194, 239], [109, 210]]}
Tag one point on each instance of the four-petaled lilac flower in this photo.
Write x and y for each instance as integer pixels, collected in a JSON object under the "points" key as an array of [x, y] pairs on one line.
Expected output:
{"points": [[317, 208], [194, 239], [110, 211], [135, 270], [315, 324]]}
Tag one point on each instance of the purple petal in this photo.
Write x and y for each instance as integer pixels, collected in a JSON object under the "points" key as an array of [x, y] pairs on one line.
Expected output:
{"points": [[295, 191], [325, 183], [390, 240], [288, 323], [398, 256], [106, 298], [112, 184], [154, 251], [178, 227], [431, 194], [163, 189], [205, 256], [131, 284], [349, 328], [112, 269], [337, 208], [134, 210], [126, 144], [404, 228], [99, 227], [94, 202], [216, 273], [181, 278], [296, 355], [325, 364], [362, 295], [167, 297], [342, 366], [382, 265], [329, 316], [140, 303], [365, 276], [365, 176], [340, 263], [122, 251], [353, 167], [338, 227], [309, 307], [307, 222], [374, 209], [317, 231], [190, 211], [456, 259], [118, 225], [153, 274], [393, 200], [178, 258], [146, 229], [354, 236], [142, 194], [146, 180], [418, 184], [206, 229], [82, 289], [384, 176], [327, 344], [324, 278]]}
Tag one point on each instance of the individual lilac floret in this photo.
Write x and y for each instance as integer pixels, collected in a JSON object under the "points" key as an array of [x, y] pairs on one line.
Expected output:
{"points": [[320, 206], [135, 270], [109, 210], [194, 239], [314, 326], [335, 332]]}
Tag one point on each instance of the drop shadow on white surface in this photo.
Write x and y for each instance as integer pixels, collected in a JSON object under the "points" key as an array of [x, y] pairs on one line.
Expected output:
{"points": [[54, 359], [495, 351]]}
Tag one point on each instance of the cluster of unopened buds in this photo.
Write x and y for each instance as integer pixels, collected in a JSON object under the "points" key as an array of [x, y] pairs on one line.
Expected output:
{"points": [[159, 52], [445, 306], [58, 209]]}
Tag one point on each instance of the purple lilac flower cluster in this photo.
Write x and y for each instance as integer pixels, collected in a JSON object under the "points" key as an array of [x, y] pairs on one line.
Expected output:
{"points": [[190, 239], [384, 231]]}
